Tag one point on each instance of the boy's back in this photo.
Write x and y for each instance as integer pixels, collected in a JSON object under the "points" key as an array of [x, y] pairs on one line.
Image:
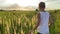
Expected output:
{"points": [[43, 26]]}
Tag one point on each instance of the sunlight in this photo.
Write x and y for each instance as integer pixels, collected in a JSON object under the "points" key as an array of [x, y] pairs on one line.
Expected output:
{"points": [[25, 2], [29, 2]]}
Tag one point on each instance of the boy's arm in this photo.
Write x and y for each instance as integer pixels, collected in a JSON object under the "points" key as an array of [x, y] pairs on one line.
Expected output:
{"points": [[38, 21], [50, 21]]}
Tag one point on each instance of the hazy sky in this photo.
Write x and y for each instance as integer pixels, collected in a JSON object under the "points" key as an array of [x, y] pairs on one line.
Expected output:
{"points": [[49, 3]]}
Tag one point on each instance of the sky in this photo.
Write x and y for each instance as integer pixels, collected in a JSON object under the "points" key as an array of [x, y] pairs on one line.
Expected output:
{"points": [[51, 4]]}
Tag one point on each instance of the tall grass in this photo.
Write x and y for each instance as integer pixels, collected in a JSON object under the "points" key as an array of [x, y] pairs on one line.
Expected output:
{"points": [[21, 22]]}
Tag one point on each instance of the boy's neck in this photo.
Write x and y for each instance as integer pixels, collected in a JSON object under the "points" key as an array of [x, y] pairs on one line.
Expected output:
{"points": [[42, 10]]}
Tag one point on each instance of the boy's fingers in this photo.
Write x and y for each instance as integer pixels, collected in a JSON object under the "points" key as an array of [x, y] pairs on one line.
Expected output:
{"points": [[29, 32]]}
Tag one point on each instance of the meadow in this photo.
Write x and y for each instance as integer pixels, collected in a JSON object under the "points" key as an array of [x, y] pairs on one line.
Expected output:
{"points": [[20, 22]]}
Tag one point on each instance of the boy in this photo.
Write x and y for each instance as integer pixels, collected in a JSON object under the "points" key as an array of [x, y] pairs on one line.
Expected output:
{"points": [[43, 19]]}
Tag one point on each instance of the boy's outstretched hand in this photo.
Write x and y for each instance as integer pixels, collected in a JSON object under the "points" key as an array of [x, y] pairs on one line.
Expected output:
{"points": [[30, 31]]}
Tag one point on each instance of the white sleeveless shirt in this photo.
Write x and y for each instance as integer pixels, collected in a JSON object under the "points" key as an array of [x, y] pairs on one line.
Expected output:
{"points": [[43, 26]]}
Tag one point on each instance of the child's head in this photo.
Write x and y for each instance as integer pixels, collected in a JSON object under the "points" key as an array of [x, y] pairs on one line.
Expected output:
{"points": [[41, 5]]}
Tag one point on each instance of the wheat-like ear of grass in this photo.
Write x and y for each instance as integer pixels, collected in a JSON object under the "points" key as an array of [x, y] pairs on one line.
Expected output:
{"points": [[22, 22]]}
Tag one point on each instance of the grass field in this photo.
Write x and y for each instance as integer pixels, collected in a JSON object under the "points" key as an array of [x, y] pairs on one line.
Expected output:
{"points": [[20, 22]]}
